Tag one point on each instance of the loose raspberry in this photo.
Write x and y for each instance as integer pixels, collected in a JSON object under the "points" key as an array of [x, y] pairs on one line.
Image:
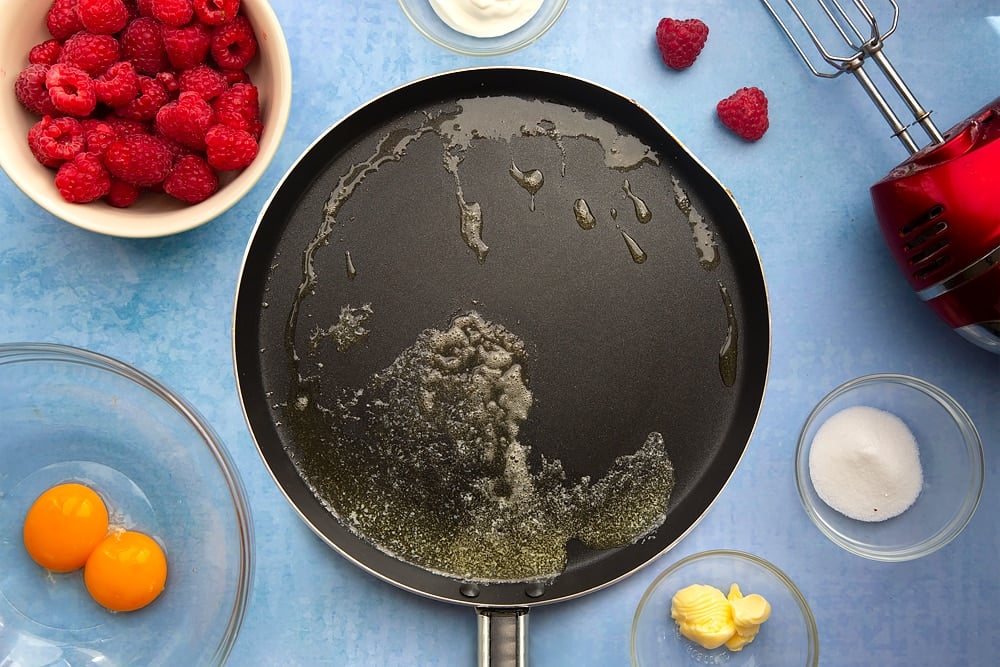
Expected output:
{"points": [[55, 140], [192, 180], [126, 126], [152, 96], [204, 80], [234, 44], [177, 149], [187, 46], [142, 43], [62, 19], [173, 12], [91, 53], [745, 113], [228, 148], [102, 17], [216, 12], [239, 107], [83, 179], [97, 135], [46, 53], [30, 90], [186, 120], [122, 194], [71, 89], [140, 159], [680, 42], [118, 85], [235, 76]]}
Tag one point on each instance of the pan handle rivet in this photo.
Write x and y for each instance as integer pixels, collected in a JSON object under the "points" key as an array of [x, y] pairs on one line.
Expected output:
{"points": [[535, 590], [469, 590]]}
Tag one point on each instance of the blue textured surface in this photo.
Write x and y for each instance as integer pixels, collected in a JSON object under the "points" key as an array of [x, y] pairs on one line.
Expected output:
{"points": [[840, 309]]}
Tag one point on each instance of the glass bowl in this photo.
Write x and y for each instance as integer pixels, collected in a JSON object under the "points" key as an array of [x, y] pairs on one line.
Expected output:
{"points": [[427, 21], [951, 459], [787, 639], [73, 415]]}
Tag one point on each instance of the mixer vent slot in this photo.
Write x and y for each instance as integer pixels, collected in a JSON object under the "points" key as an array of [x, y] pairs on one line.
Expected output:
{"points": [[925, 236], [921, 220]]}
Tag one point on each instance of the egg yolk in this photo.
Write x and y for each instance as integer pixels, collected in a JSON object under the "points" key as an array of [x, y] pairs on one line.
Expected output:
{"points": [[64, 525], [126, 571]]}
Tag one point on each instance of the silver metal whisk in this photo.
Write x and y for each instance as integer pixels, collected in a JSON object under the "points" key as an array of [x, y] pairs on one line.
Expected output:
{"points": [[865, 43]]}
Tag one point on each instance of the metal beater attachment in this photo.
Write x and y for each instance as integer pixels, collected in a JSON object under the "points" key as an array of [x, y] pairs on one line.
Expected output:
{"points": [[865, 42]]}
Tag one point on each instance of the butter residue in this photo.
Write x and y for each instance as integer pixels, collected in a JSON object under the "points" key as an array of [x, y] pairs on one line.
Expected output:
{"points": [[711, 619]]}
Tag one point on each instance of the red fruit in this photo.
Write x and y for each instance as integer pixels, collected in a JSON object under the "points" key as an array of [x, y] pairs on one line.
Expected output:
{"points": [[172, 12], [234, 44], [30, 90], [144, 7], [118, 85], [216, 12], [192, 180], [187, 46], [62, 19], [152, 95], [170, 81], [235, 76], [680, 42], [238, 107], [142, 43], [186, 120], [140, 159], [71, 89], [97, 135], [204, 80], [91, 53], [122, 194], [102, 17], [745, 113], [55, 140], [228, 148], [46, 53], [83, 179]]}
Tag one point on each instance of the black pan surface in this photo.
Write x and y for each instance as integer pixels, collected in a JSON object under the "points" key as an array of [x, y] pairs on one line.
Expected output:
{"points": [[653, 318]]}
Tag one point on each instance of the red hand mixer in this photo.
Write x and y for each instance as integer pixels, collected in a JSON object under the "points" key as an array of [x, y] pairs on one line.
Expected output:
{"points": [[939, 210]]}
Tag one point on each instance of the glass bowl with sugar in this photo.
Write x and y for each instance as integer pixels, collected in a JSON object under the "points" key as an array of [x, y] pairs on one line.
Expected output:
{"points": [[889, 467]]}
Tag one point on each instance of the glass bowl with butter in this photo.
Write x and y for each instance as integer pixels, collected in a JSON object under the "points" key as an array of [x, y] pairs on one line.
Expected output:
{"points": [[724, 606], [483, 27]]}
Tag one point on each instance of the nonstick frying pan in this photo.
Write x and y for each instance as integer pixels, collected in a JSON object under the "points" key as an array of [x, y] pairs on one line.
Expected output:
{"points": [[564, 213]]}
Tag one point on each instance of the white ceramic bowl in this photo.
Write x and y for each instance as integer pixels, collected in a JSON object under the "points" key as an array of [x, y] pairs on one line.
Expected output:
{"points": [[73, 415], [951, 459], [427, 21], [22, 25], [787, 639]]}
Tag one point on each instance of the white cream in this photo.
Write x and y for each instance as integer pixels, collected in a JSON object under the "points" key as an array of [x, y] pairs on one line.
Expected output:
{"points": [[485, 18]]}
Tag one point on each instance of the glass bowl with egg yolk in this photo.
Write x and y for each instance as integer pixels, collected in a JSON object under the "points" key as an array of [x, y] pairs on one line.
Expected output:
{"points": [[788, 638], [71, 416]]}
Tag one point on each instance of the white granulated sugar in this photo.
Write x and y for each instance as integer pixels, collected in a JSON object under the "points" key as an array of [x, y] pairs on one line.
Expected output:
{"points": [[865, 464]]}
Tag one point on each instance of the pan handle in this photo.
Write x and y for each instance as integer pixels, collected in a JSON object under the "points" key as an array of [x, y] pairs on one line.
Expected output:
{"points": [[503, 636]]}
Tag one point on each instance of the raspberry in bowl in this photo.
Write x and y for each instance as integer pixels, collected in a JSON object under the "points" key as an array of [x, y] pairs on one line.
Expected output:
{"points": [[140, 118]]}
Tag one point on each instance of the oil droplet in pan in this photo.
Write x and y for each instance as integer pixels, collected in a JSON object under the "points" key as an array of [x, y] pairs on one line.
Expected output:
{"points": [[727, 353], [642, 212], [638, 254], [531, 180], [584, 217]]}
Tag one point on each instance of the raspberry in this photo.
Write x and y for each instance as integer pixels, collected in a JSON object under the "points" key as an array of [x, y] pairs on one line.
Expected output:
{"points": [[83, 179], [186, 120], [152, 96], [680, 42], [238, 107], [55, 140], [187, 46], [745, 113], [102, 17], [71, 89], [172, 12], [46, 53], [144, 7], [140, 159], [204, 80], [235, 76], [91, 53], [228, 148], [234, 44], [118, 85], [62, 20], [142, 44], [122, 194], [126, 126], [97, 135], [30, 90], [192, 180], [216, 12], [171, 83]]}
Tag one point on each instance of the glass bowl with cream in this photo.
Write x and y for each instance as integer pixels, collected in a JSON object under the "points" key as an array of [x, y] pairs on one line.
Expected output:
{"points": [[724, 607], [889, 467], [483, 27]]}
